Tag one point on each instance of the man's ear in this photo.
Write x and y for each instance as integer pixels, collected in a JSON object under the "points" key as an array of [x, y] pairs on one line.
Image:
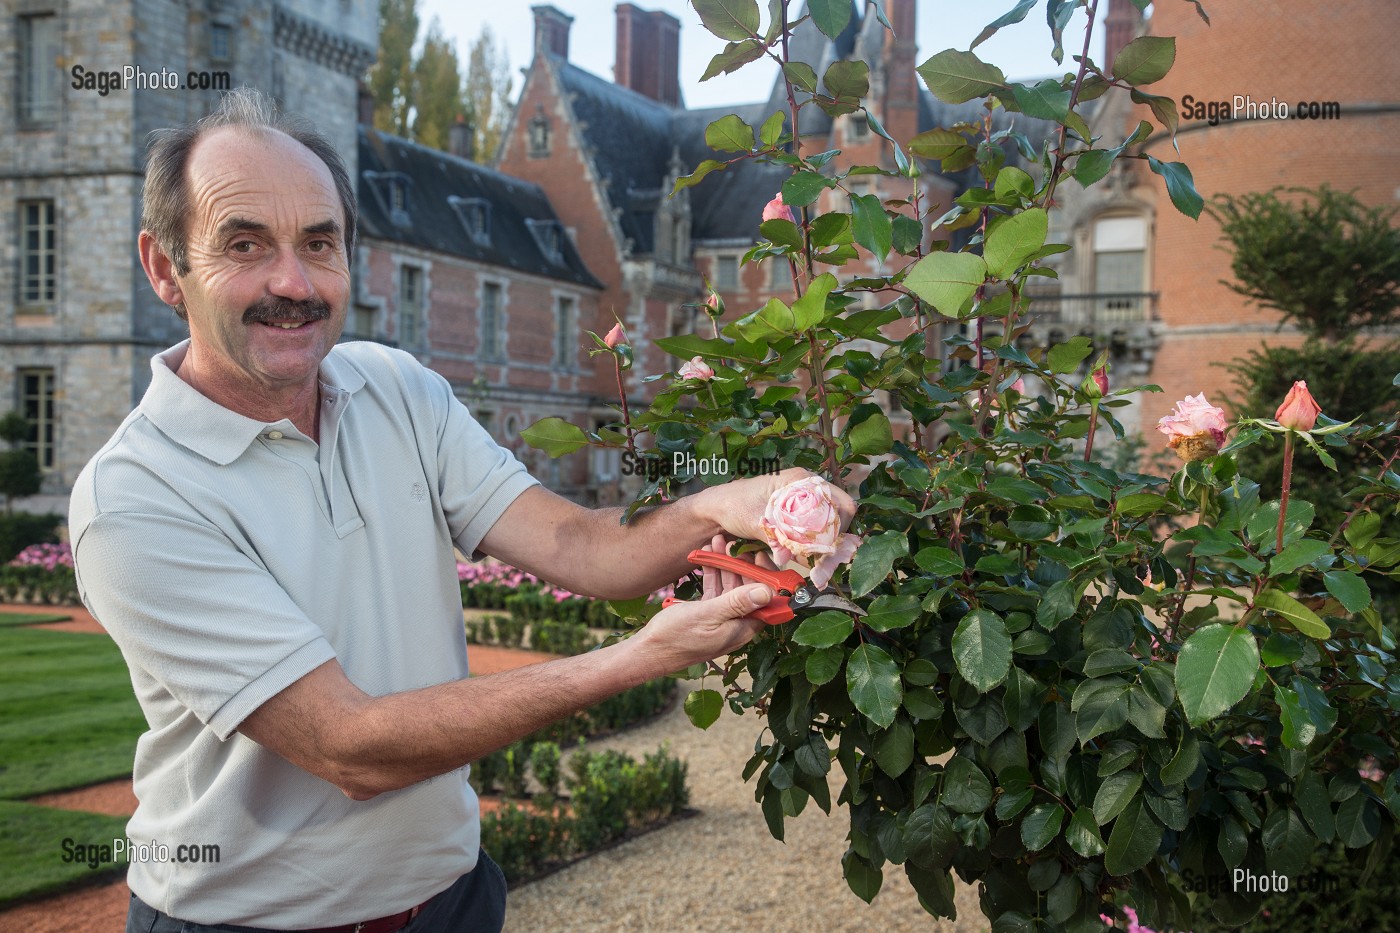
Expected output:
{"points": [[160, 270]]}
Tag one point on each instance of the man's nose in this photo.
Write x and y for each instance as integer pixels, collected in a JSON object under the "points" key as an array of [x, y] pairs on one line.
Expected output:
{"points": [[290, 279]]}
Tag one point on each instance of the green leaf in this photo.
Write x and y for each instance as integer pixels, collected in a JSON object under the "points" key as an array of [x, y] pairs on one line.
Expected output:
{"points": [[1012, 241], [1134, 840], [1184, 762], [875, 559], [1066, 357], [1092, 165], [831, 16], [735, 56], [1351, 591], [824, 664], [938, 144], [1363, 528], [1312, 801], [929, 837], [965, 788], [1180, 186], [695, 177], [1215, 670], [862, 877], [1163, 108], [1057, 735], [1058, 604], [1320, 711], [1298, 728], [1287, 842], [802, 76], [940, 561], [1045, 100], [1115, 793], [848, 80], [906, 234], [824, 629], [772, 130], [1358, 821], [891, 612], [1280, 650], [1103, 711], [1298, 554], [1301, 617], [1083, 836], [703, 707], [873, 228], [803, 188], [894, 748], [947, 280], [1145, 60], [872, 680], [555, 436], [1017, 14], [729, 19], [729, 134], [982, 649], [1041, 825], [955, 77]]}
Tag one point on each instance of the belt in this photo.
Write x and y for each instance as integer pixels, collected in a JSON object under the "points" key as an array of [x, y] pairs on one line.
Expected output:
{"points": [[389, 924]]}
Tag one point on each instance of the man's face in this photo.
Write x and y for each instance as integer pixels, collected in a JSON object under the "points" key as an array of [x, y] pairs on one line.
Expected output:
{"points": [[269, 280]]}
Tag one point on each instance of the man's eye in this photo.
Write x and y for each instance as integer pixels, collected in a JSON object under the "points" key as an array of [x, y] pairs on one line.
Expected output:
{"points": [[320, 246], [243, 246]]}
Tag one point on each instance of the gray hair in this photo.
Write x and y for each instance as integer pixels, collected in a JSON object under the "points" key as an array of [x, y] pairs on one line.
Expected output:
{"points": [[166, 197]]}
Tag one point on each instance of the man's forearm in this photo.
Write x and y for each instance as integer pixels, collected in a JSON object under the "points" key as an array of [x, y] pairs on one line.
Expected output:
{"points": [[645, 554], [394, 741]]}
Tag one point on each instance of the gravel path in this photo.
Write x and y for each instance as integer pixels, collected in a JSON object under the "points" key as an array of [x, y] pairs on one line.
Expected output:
{"points": [[722, 870]]}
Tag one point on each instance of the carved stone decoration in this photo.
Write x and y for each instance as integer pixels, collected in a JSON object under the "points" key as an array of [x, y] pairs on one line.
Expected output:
{"points": [[309, 40]]}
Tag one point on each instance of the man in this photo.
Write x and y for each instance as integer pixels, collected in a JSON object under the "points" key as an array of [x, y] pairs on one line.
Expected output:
{"points": [[269, 538]]}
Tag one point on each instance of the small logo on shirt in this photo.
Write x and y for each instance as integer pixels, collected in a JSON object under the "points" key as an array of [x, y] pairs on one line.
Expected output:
{"points": [[418, 491]]}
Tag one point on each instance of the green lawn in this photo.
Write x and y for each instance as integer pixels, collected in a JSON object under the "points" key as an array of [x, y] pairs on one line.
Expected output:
{"points": [[11, 619], [32, 848], [68, 716]]}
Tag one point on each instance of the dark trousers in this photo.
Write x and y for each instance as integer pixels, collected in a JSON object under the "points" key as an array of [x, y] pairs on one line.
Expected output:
{"points": [[476, 903]]}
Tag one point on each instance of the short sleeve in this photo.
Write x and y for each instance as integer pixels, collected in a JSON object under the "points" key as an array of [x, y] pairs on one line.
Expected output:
{"points": [[194, 613]]}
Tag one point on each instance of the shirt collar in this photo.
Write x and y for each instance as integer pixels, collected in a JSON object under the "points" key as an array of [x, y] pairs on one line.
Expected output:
{"points": [[214, 432]]}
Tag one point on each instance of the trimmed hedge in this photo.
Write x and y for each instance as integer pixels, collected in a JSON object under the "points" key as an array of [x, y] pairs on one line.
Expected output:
{"points": [[21, 529], [32, 584], [610, 794]]}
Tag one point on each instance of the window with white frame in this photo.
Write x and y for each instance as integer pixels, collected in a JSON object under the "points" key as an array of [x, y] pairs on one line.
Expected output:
{"points": [[39, 72], [565, 341], [36, 403], [410, 325], [1120, 251], [220, 41], [727, 271], [38, 253], [491, 321]]}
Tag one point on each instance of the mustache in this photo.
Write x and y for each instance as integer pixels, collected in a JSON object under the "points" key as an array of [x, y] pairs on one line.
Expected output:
{"points": [[270, 309]]}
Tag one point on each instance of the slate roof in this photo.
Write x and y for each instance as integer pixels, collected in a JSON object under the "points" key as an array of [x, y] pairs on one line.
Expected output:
{"points": [[432, 177]]}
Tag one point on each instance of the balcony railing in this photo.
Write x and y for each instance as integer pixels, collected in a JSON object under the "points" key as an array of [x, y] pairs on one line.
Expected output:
{"points": [[1093, 312]]}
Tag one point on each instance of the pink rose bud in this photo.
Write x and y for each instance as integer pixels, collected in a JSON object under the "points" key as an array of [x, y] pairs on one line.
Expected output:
{"points": [[1101, 380], [777, 210], [615, 337], [1196, 428], [801, 524], [695, 369], [1299, 410], [714, 305]]}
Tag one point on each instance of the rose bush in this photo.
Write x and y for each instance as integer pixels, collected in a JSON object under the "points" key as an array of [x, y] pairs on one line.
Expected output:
{"points": [[1019, 706]]}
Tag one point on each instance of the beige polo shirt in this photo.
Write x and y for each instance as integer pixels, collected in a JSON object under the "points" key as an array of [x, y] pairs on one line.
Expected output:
{"points": [[229, 557]]}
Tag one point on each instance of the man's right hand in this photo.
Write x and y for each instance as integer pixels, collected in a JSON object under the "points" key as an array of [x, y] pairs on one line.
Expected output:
{"points": [[716, 624]]}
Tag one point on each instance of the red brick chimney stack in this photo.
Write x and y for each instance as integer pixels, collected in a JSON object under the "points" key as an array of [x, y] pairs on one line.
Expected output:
{"points": [[1120, 27], [552, 31], [901, 104], [648, 53]]}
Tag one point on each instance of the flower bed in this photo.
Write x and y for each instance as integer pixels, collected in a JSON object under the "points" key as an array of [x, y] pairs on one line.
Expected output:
{"points": [[528, 598], [40, 574]]}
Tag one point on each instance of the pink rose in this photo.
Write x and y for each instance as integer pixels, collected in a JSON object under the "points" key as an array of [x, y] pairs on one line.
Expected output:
{"points": [[777, 210], [714, 305], [801, 523], [1299, 410], [1101, 380], [1196, 428], [615, 336], [695, 369]]}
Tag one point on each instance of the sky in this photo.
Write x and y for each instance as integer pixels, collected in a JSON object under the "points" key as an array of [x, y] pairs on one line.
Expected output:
{"points": [[1021, 51]]}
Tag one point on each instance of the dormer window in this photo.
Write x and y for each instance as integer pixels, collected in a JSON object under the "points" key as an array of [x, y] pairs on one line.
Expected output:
{"points": [[538, 131], [391, 191], [475, 215], [549, 235]]}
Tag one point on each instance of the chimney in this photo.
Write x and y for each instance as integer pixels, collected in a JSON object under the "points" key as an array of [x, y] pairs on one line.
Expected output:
{"points": [[459, 138], [648, 53], [551, 31], [364, 105], [900, 105], [1121, 26]]}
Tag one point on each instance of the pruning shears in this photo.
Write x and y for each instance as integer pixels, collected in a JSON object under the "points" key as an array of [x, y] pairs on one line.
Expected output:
{"points": [[793, 592]]}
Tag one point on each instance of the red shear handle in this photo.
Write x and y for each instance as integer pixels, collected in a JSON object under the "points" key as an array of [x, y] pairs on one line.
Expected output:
{"points": [[784, 582]]}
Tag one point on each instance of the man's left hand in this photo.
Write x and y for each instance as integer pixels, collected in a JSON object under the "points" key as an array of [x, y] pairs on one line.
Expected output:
{"points": [[738, 506]]}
